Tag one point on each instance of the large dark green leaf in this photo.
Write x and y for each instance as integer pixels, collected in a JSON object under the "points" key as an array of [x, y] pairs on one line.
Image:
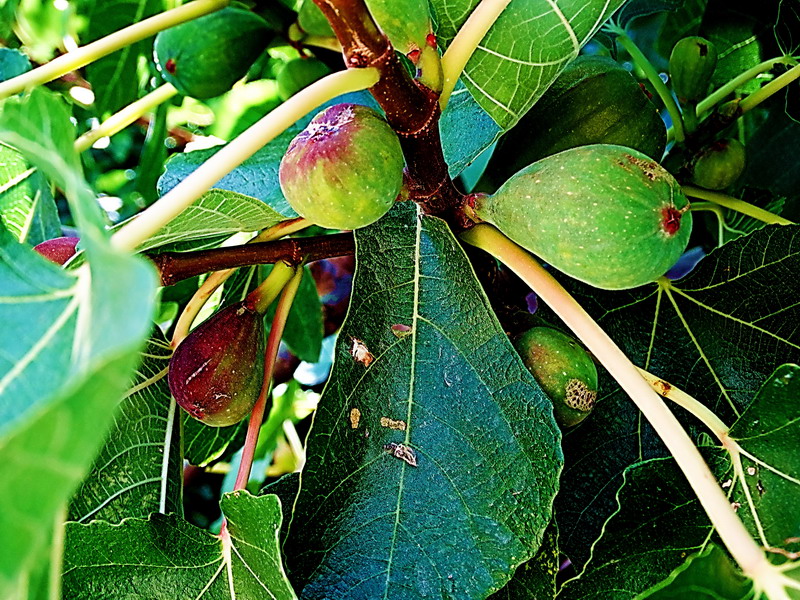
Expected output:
{"points": [[535, 579], [466, 130], [707, 575], [433, 457], [165, 557], [139, 469], [658, 523], [525, 49], [67, 355], [718, 334], [27, 207], [113, 77]]}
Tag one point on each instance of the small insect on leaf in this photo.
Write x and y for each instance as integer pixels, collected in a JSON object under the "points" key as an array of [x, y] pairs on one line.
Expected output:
{"points": [[402, 452], [359, 351], [401, 330]]}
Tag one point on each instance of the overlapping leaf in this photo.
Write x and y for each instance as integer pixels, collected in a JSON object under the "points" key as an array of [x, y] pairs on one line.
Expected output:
{"points": [[218, 213], [524, 51], [433, 456], [139, 468], [66, 355], [167, 557], [718, 334], [27, 207]]}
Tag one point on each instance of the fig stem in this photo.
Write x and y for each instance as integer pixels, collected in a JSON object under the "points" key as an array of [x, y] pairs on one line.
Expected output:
{"points": [[735, 204], [730, 528], [270, 358], [173, 203], [217, 278], [260, 298], [655, 80], [466, 42], [120, 120], [60, 66], [771, 88], [740, 80]]}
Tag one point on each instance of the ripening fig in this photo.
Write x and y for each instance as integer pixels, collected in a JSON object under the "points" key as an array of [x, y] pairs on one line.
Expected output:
{"points": [[607, 215], [204, 57], [59, 249], [345, 169], [216, 373], [563, 369], [719, 164], [691, 66]]}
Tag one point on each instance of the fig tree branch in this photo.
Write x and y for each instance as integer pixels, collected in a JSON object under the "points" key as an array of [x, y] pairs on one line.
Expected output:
{"points": [[411, 108], [176, 266], [173, 203], [84, 55]]}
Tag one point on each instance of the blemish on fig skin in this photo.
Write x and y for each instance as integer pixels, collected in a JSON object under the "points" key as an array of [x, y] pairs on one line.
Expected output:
{"points": [[671, 220], [651, 169], [171, 66]]}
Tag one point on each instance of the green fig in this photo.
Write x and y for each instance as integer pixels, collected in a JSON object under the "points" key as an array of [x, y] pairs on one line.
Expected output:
{"points": [[311, 20], [691, 66], [607, 215], [595, 100], [563, 369], [203, 58], [345, 169], [718, 165], [216, 373], [59, 250], [297, 74]]}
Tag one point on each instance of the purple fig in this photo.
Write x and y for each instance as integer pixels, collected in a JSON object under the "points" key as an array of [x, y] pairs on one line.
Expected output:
{"points": [[216, 373], [345, 169], [59, 249]]}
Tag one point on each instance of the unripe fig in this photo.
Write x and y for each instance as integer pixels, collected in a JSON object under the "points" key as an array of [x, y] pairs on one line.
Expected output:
{"points": [[216, 373], [345, 169], [719, 164], [595, 100], [691, 66], [59, 249], [204, 57], [312, 21], [299, 73], [563, 369], [607, 215]]}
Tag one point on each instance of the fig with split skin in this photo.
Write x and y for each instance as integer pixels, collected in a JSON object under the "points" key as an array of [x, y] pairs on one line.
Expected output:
{"points": [[204, 57], [564, 370], [344, 170], [216, 373], [606, 215]]}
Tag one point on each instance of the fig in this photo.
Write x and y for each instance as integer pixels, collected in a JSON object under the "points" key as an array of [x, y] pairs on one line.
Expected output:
{"points": [[297, 74], [59, 250], [203, 58], [594, 101], [691, 66], [345, 169], [311, 20], [563, 369], [718, 165], [216, 373], [607, 215]]}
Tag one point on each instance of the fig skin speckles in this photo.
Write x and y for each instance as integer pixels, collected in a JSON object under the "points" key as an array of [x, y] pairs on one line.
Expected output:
{"points": [[604, 214]]}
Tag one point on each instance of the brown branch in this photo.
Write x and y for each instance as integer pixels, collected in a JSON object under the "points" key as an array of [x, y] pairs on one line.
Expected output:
{"points": [[411, 108], [176, 266]]}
